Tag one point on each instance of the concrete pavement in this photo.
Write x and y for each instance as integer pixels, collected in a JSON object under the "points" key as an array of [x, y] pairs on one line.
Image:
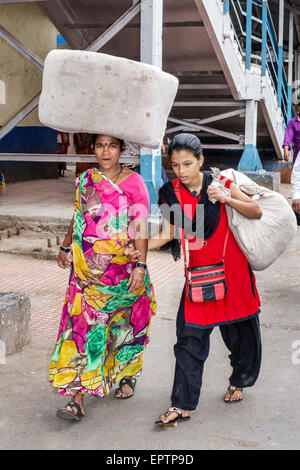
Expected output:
{"points": [[267, 418]]}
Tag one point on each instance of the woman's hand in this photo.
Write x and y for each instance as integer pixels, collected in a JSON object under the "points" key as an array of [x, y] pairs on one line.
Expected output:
{"points": [[63, 260], [128, 165], [136, 279], [132, 253], [216, 193]]}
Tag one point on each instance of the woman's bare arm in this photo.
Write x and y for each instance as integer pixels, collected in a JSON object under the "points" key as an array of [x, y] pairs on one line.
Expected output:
{"points": [[141, 239], [157, 241], [137, 276], [62, 258], [68, 238]]}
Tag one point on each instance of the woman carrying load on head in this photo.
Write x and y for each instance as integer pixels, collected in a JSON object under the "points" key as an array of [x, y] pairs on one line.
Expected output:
{"points": [[109, 300], [212, 248]]}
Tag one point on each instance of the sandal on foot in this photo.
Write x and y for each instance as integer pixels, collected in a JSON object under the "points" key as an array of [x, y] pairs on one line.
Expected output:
{"points": [[173, 409], [231, 389], [70, 414], [131, 383]]}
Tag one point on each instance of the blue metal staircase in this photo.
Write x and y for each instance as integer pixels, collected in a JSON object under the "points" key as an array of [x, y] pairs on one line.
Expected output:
{"points": [[258, 44], [251, 56]]}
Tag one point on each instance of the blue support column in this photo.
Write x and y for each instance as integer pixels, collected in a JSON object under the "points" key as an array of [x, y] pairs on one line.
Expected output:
{"points": [[280, 53], [60, 41], [279, 83], [290, 70], [264, 38], [250, 160], [151, 53], [226, 7], [248, 34], [151, 172], [289, 105]]}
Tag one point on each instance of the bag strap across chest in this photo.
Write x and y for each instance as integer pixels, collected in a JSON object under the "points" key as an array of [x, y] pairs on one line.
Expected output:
{"points": [[181, 230]]}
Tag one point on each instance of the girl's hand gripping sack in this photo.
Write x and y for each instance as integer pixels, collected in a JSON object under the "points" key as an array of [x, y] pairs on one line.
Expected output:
{"points": [[261, 240]]}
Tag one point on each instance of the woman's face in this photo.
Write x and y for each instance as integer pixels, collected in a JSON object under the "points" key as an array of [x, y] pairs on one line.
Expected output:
{"points": [[107, 151], [186, 166]]}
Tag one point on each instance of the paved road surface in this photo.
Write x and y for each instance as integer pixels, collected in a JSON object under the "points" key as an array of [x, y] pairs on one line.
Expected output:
{"points": [[267, 418]]}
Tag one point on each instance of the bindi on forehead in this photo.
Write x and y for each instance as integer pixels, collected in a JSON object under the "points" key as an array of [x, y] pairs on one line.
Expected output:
{"points": [[106, 142]]}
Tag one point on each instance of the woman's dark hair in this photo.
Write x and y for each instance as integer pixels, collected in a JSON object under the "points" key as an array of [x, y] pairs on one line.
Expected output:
{"points": [[94, 138], [186, 142]]}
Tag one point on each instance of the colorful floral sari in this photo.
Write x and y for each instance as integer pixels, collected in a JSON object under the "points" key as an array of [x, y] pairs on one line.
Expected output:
{"points": [[104, 329]]}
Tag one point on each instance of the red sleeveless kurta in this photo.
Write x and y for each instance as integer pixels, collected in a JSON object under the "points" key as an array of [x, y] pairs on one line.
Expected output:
{"points": [[242, 299]]}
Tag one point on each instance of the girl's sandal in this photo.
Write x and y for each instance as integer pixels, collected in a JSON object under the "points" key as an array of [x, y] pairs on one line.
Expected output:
{"points": [[173, 409], [231, 389], [70, 415], [131, 383]]}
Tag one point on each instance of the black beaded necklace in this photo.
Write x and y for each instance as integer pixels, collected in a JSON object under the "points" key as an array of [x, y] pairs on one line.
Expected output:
{"points": [[116, 176]]}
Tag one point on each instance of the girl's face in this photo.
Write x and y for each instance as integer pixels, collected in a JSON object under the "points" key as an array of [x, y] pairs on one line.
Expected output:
{"points": [[186, 166], [107, 151]]}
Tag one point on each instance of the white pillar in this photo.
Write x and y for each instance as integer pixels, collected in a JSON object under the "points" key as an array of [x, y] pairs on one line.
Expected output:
{"points": [[151, 53], [280, 52], [250, 160], [291, 47], [290, 70], [251, 122], [151, 32], [297, 74]]}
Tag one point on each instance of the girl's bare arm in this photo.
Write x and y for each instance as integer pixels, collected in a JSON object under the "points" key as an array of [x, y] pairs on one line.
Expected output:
{"points": [[238, 201], [161, 238]]}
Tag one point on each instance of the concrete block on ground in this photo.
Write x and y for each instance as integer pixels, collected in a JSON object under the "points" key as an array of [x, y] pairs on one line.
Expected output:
{"points": [[268, 179], [98, 93], [14, 321], [284, 168]]}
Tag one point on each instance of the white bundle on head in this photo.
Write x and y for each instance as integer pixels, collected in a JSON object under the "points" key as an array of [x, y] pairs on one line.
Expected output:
{"points": [[102, 94]]}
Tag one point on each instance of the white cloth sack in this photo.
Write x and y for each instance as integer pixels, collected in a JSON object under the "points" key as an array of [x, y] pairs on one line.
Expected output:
{"points": [[261, 240], [99, 93]]}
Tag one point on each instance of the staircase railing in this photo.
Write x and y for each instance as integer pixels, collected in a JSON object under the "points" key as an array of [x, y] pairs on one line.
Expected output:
{"points": [[257, 41]]}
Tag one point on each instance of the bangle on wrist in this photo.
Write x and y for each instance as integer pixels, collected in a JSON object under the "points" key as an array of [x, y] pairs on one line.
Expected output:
{"points": [[65, 250], [141, 265], [140, 271]]}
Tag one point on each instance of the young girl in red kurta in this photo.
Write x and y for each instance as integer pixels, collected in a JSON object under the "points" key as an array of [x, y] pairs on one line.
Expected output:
{"points": [[237, 313]]}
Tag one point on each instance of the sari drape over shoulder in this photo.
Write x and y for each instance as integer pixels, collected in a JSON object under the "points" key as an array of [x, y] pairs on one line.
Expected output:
{"points": [[103, 329]]}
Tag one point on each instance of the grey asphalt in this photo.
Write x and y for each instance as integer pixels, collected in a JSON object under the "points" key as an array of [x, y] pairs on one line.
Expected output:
{"points": [[267, 418]]}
